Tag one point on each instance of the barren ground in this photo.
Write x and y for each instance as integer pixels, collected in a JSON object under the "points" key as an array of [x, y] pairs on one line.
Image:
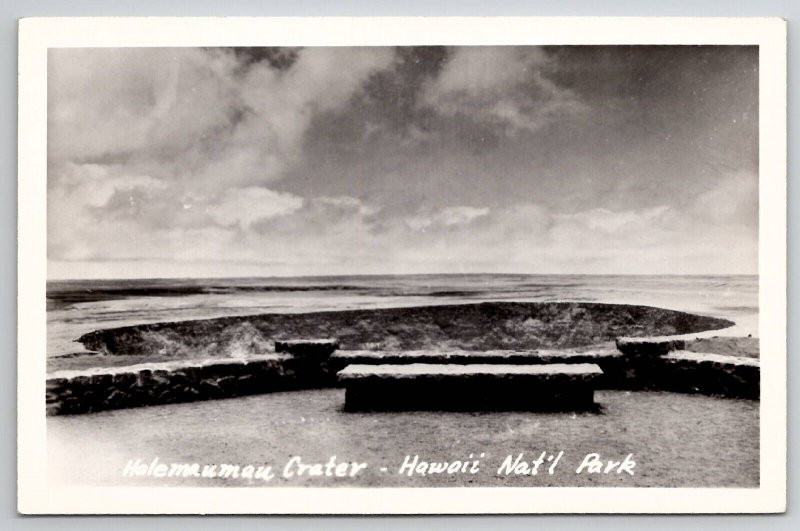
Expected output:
{"points": [[677, 441]]}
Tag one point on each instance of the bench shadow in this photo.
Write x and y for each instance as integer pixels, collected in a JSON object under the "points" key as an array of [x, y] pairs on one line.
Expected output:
{"points": [[400, 407]]}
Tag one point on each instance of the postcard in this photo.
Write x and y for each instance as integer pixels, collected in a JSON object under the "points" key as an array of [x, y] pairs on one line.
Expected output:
{"points": [[402, 265]]}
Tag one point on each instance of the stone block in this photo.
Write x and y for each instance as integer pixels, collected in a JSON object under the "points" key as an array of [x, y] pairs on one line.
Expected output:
{"points": [[649, 346], [711, 374]]}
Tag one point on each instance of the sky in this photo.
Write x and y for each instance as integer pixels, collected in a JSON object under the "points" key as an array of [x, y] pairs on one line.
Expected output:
{"points": [[217, 162]]}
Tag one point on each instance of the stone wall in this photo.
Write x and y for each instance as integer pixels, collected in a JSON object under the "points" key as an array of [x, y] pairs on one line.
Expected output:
{"points": [[660, 363], [70, 392], [713, 374], [655, 363]]}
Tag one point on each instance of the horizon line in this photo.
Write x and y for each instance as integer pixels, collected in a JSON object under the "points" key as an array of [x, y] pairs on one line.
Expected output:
{"points": [[375, 275]]}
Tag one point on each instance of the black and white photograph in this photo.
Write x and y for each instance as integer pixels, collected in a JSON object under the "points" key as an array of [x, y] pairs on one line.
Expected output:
{"points": [[417, 266]]}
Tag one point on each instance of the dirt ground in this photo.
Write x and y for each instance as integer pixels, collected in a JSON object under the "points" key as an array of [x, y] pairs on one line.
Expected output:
{"points": [[676, 440], [746, 347]]}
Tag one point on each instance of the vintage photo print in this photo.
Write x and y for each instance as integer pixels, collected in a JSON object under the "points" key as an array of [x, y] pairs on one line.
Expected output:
{"points": [[402, 265]]}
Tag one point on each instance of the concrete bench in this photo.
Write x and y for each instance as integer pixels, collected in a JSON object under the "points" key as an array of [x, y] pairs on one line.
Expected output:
{"points": [[455, 387], [343, 358]]}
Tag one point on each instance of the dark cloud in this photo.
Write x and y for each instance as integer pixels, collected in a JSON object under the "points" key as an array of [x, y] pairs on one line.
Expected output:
{"points": [[279, 58], [391, 96]]}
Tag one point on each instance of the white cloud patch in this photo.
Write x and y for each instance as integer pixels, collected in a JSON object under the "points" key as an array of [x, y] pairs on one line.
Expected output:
{"points": [[195, 137], [105, 102], [733, 198], [93, 185], [500, 85], [345, 202], [488, 68], [611, 222], [447, 217], [245, 206]]}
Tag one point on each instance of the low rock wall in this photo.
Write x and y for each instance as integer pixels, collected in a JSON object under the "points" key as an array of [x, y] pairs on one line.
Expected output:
{"points": [[70, 392], [714, 374], [656, 363], [661, 363]]}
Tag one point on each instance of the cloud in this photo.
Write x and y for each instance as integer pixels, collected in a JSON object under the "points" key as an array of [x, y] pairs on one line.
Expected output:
{"points": [[602, 220], [155, 145], [94, 185], [203, 162], [245, 206], [504, 86], [733, 198], [531, 238], [117, 102], [336, 235], [447, 217], [488, 68]]}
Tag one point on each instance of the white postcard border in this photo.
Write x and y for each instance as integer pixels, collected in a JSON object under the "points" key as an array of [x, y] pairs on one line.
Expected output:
{"points": [[35, 495]]}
